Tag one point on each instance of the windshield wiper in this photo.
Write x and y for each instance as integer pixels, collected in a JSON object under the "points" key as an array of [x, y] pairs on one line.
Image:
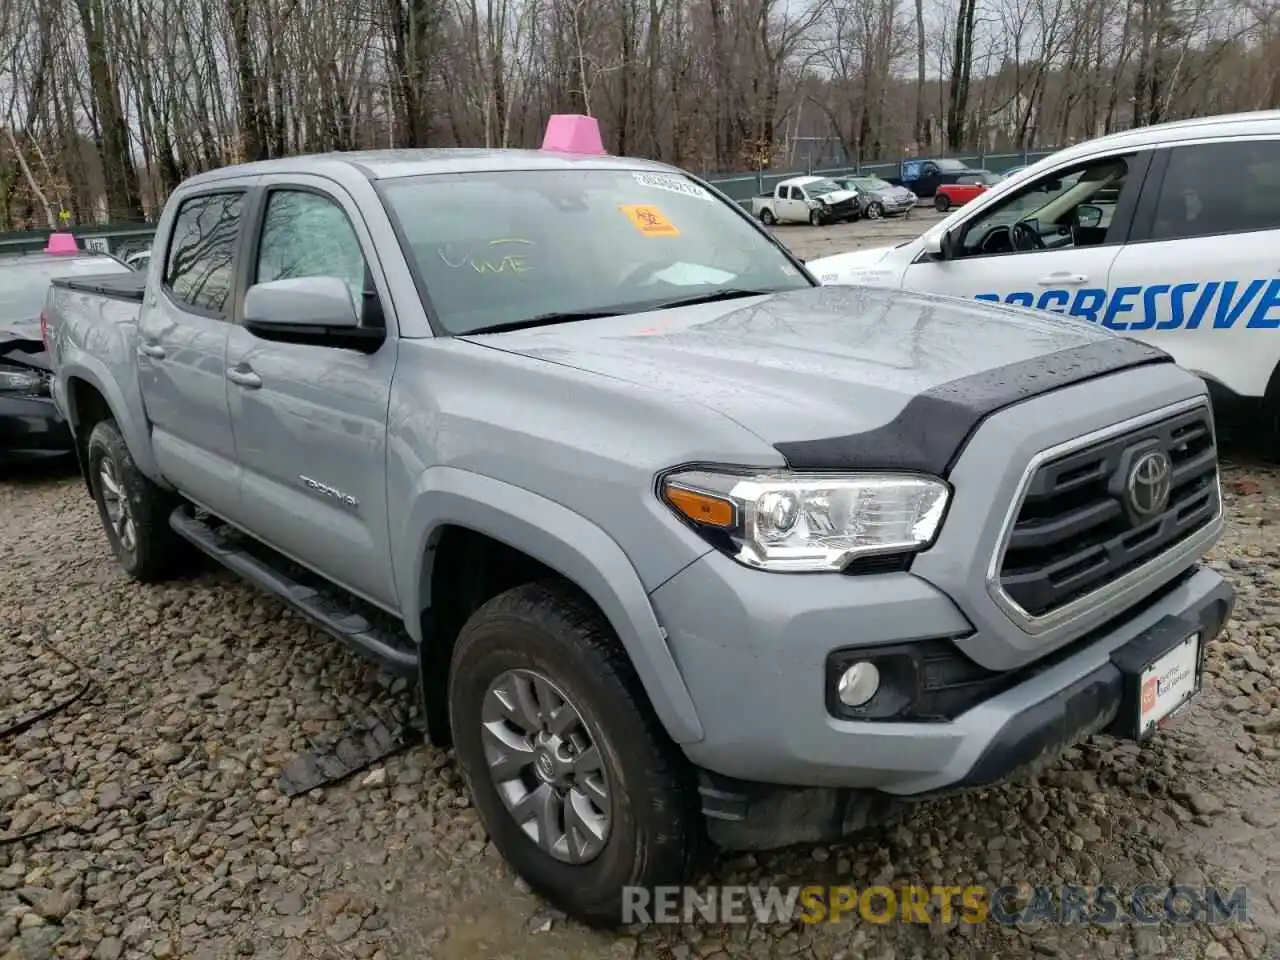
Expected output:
{"points": [[542, 320], [724, 293]]}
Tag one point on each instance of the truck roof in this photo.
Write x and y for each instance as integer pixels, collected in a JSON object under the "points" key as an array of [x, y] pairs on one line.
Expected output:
{"points": [[392, 164]]}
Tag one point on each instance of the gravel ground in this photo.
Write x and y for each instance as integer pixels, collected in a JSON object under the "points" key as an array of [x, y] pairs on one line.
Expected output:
{"points": [[160, 830]]}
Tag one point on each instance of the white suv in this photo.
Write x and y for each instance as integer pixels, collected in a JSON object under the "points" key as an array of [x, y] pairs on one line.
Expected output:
{"points": [[1169, 233]]}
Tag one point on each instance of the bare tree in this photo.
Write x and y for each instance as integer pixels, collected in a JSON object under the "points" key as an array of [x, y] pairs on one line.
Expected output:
{"points": [[105, 105]]}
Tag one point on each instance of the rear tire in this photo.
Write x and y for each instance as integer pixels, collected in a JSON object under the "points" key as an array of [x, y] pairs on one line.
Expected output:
{"points": [[134, 510], [942, 203], [767, 217], [521, 661]]}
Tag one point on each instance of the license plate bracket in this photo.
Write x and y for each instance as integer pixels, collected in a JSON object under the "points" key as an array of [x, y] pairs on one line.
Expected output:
{"points": [[1161, 672]]}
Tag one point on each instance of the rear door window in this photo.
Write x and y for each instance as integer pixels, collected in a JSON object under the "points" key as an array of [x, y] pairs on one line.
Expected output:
{"points": [[1219, 188], [199, 268]]}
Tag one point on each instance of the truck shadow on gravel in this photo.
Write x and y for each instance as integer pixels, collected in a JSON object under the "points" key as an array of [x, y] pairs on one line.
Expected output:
{"points": [[43, 472]]}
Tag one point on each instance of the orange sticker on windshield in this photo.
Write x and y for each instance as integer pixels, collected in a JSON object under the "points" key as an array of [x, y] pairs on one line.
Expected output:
{"points": [[649, 220]]}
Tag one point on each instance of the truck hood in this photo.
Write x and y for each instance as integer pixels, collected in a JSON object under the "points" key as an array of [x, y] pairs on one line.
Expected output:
{"points": [[20, 343], [838, 196], [824, 361]]}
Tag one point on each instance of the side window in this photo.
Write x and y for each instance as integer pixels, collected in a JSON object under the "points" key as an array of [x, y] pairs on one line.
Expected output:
{"points": [[786, 193], [1067, 209], [200, 267], [1211, 188], [307, 235]]}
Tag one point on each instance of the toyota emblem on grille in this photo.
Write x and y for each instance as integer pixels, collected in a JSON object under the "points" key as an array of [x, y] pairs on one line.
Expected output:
{"points": [[1150, 482]]}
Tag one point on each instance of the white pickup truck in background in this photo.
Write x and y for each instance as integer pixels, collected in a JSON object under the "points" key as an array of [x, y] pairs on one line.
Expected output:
{"points": [[814, 200], [1168, 234]]}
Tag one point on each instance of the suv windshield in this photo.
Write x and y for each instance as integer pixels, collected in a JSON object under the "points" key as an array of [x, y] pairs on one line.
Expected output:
{"points": [[24, 282], [951, 166], [501, 247]]}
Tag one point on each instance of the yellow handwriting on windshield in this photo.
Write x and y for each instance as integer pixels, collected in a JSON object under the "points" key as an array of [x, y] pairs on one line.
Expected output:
{"points": [[498, 260]]}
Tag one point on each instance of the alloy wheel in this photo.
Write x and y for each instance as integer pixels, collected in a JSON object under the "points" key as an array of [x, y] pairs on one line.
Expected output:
{"points": [[116, 503], [546, 766]]}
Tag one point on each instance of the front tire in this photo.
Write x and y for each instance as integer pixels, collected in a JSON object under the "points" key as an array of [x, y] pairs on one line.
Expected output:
{"points": [[875, 211], [816, 218], [134, 510], [572, 775]]}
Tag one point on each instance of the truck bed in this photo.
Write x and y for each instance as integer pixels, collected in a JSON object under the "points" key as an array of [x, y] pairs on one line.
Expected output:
{"points": [[117, 286]]}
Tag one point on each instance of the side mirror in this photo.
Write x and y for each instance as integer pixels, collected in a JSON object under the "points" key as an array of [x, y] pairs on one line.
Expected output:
{"points": [[1088, 216], [316, 302], [940, 246], [308, 310]]}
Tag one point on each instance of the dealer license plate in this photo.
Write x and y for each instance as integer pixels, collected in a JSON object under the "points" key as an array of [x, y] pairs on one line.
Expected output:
{"points": [[1168, 684]]}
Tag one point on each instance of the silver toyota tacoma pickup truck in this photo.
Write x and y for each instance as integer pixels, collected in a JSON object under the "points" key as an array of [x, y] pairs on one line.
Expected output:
{"points": [[678, 544]]}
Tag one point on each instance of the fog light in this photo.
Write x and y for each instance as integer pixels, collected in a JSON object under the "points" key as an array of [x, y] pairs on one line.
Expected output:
{"points": [[858, 684]]}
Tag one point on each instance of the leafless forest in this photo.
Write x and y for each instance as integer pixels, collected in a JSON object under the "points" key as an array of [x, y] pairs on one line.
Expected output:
{"points": [[106, 104]]}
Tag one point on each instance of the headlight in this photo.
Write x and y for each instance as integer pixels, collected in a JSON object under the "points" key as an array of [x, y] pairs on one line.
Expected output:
{"points": [[21, 381], [809, 522]]}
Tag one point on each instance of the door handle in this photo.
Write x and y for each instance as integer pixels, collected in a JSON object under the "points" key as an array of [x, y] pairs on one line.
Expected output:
{"points": [[1071, 279], [153, 350], [244, 378]]}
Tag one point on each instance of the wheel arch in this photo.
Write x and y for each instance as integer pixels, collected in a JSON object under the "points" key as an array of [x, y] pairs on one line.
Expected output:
{"points": [[551, 537], [90, 398]]}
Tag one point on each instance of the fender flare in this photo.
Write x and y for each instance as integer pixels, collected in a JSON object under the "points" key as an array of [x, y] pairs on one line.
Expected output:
{"points": [[94, 373], [569, 544]]}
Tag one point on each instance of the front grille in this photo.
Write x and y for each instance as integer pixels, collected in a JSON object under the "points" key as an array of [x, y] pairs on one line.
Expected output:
{"points": [[1077, 528]]}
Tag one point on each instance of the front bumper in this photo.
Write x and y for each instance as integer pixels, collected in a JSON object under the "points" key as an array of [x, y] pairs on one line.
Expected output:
{"points": [[894, 207], [777, 768], [31, 428]]}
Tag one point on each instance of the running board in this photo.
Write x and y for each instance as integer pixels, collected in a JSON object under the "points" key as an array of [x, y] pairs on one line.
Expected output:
{"points": [[391, 650]]}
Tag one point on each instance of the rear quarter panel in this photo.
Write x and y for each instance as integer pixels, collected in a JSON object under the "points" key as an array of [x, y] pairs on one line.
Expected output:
{"points": [[94, 346]]}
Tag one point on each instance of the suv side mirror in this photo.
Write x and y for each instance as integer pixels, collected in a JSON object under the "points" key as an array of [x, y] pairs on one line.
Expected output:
{"points": [[1088, 216], [940, 246], [314, 310]]}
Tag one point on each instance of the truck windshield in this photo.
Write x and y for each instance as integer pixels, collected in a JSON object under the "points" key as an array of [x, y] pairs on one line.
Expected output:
{"points": [[820, 188], [495, 248], [24, 282]]}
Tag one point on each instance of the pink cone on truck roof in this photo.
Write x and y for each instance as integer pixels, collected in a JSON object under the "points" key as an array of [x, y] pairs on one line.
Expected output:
{"points": [[573, 133], [62, 243]]}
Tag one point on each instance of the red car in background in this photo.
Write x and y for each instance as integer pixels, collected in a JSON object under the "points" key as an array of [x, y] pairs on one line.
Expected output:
{"points": [[964, 189]]}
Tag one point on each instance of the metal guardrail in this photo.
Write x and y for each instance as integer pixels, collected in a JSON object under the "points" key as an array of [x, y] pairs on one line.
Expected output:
{"points": [[122, 239]]}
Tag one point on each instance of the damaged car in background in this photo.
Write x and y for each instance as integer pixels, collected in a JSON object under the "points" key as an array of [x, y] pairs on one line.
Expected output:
{"points": [[30, 425]]}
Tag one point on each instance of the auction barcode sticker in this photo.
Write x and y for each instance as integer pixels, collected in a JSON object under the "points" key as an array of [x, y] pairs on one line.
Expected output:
{"points": [[662, 181]]}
